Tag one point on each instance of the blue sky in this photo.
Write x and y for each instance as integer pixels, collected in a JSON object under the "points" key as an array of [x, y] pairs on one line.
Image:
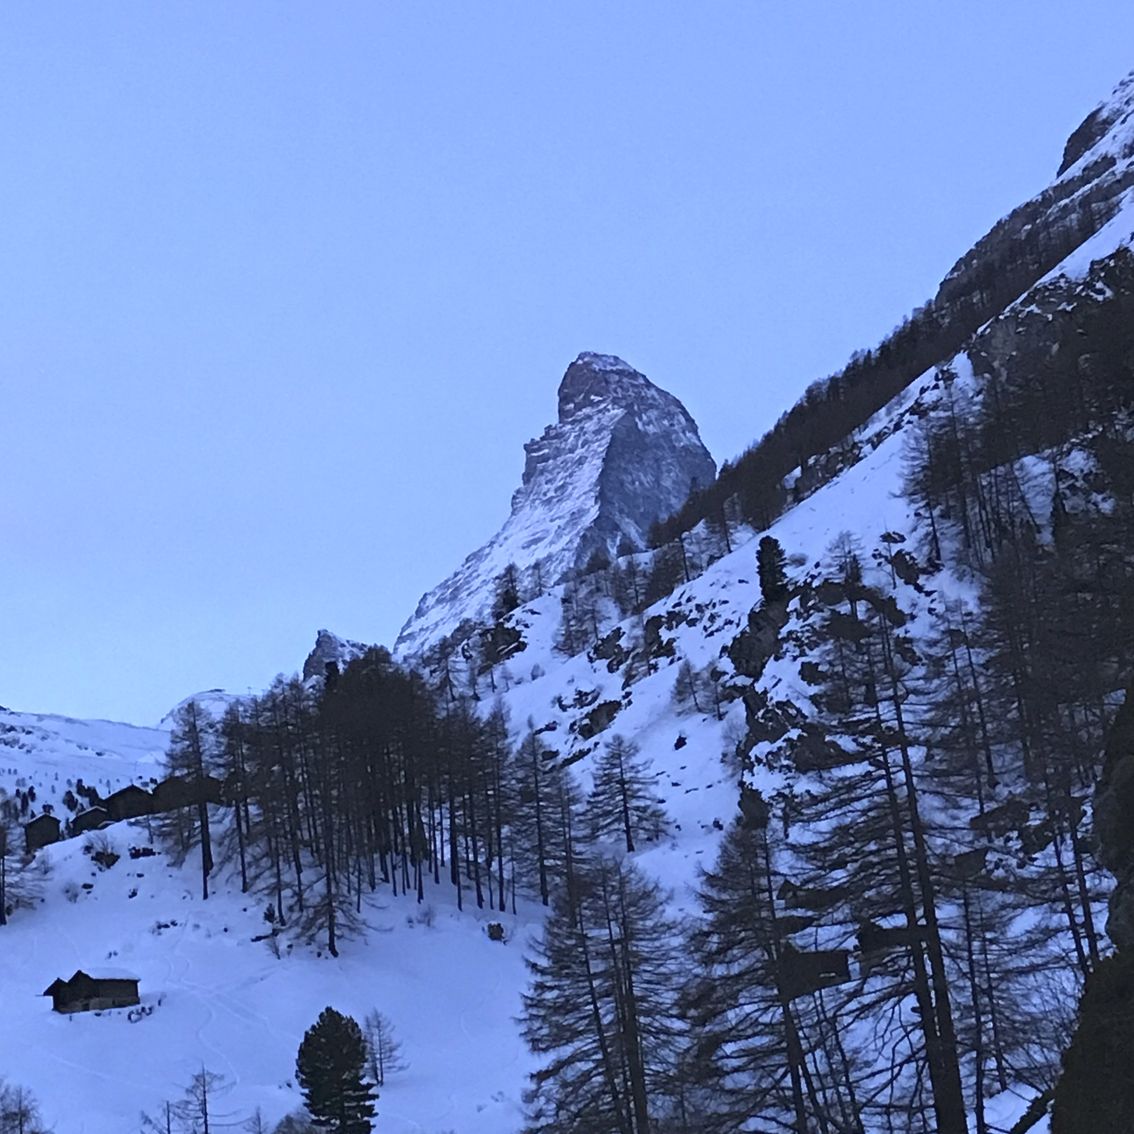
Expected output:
{"points": [[287, 286]]}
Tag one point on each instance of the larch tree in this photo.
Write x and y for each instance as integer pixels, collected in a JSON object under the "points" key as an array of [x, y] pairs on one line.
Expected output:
{"points": [[543, 817], [622, 802], [193, 754], [766, 1042], [600, 1008], [19, 1110], [383, 1047]]}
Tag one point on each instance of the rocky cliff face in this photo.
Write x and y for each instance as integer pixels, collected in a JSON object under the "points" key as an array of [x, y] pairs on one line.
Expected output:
{"points": [[622, 454], [330, 648], [1089, 190]]}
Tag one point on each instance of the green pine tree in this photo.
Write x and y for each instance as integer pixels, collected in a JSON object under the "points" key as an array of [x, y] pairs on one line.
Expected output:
{"points": [[330, 1068], [772, 569]]}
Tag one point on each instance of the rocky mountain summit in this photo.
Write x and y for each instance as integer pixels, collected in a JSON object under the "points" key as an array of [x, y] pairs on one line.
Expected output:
{"points": [[330, 649], [623, 454]]}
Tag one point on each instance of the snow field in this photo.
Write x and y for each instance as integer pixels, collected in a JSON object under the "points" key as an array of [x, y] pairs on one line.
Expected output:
{"points": [[217, 999]]}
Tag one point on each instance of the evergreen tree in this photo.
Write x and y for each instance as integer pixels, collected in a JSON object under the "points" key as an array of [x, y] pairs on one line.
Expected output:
{"points": [[771, 567], [507, 592], [622, 802], [330, 1069], [596, 562], [667, 573]]}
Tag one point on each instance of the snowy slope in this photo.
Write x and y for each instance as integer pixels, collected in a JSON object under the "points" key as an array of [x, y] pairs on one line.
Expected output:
{"points": [[213, 997], [220, 999], [45, 751]]}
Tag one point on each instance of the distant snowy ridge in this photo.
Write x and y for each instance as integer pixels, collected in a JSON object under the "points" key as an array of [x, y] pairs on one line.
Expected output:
{"points": [[623, 454]]}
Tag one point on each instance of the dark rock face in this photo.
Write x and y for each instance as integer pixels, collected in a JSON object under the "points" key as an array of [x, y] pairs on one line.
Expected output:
{"points": [[1114, 823], [651, 454], [1097, 169], [330, 649], [1096, 125], [623, 454], [1095, 1094]]}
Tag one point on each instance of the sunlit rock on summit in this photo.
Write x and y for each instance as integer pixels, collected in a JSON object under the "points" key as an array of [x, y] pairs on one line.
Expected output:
{"points": [[623, 454]]}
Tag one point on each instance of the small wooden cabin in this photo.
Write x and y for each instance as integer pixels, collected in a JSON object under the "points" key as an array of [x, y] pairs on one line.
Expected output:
{"points": [[129, 803], [87, 993], [173, 793], [89, 820], [803, 973], [178, 791], [41, 832]]}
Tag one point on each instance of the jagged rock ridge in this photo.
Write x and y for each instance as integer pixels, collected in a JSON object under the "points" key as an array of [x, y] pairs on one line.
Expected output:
{"points": [[622, 454], [1089, 190], [330, 648]]}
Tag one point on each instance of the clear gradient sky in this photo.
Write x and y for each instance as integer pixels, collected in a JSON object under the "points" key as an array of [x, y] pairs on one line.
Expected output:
{"points": [[286, 286]]}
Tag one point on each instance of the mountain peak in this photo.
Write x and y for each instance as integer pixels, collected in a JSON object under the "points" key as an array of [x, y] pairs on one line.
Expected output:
{"points": [[330, 648], [622, 454], [594, 378], [1099, 123]]}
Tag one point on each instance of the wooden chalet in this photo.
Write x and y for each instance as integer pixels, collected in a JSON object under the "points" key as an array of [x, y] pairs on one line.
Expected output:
{"points": [[803, 973], [805, 898], [210, 789], [129, 803], [41, 832], [87, 993], [89, 820], [178, 791]]}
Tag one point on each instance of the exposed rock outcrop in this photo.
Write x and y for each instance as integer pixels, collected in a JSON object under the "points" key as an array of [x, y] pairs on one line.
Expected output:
{"points": [[330, 648], [1089, 190], [1095, 1094], [623, 454]]}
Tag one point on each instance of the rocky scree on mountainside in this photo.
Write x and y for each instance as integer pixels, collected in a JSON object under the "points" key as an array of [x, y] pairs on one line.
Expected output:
{"points": [[623, 454]]}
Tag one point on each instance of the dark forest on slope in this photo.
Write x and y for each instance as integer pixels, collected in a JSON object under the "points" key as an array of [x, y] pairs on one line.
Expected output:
{"points": [[816, 434]]}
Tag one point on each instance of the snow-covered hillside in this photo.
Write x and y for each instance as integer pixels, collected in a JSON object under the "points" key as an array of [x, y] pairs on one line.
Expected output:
{"points": [[220, 999], [45, 751]]}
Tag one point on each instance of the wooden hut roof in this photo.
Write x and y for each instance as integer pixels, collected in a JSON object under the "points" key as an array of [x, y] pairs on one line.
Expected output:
{"points": [[129, 789], [59, 983]]}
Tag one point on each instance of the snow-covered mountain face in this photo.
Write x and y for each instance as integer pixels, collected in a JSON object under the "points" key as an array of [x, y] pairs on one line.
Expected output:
{"points": [[623, 454]]}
